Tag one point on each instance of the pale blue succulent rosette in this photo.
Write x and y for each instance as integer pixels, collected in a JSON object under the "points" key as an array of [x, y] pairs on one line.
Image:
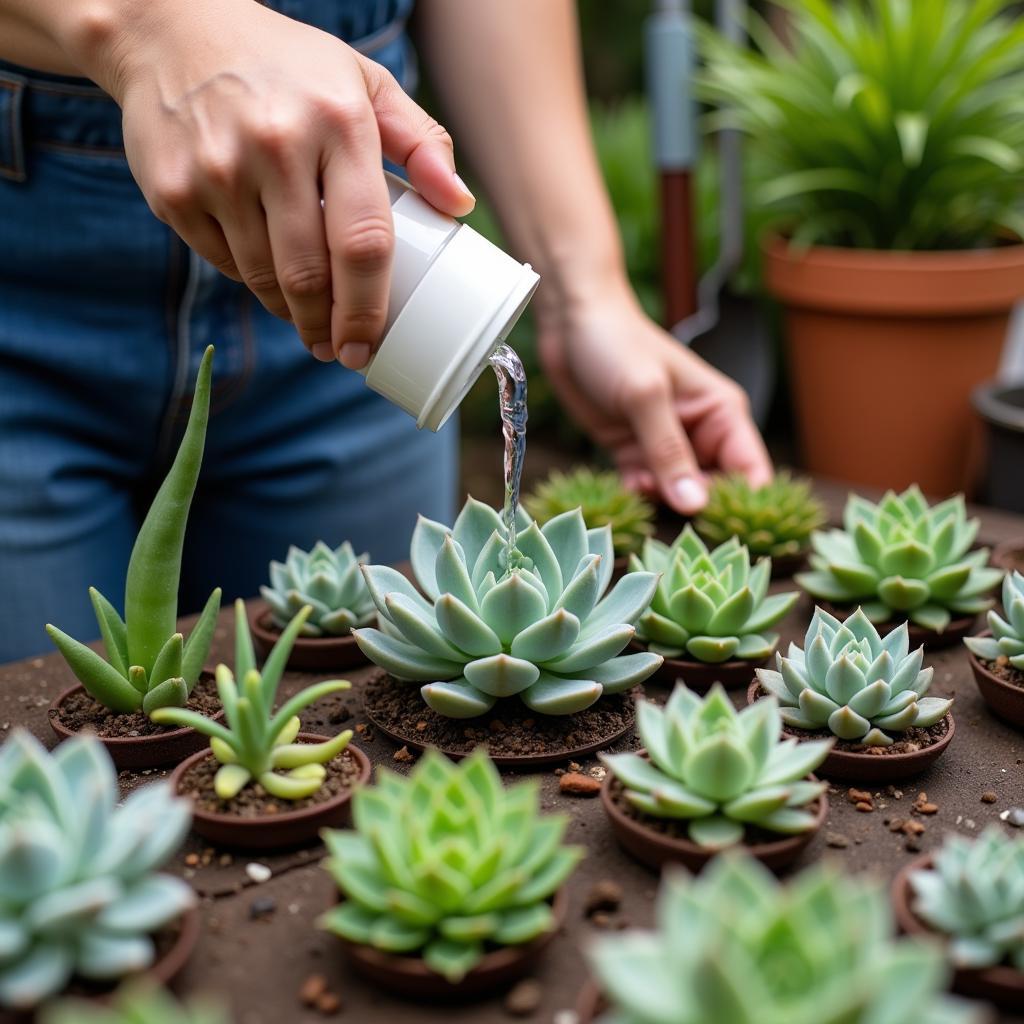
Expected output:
{"points": [[1007, 639], [479, 630]]}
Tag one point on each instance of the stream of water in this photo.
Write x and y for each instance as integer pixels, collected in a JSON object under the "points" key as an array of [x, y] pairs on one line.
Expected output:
{"points": [[512, 402]]}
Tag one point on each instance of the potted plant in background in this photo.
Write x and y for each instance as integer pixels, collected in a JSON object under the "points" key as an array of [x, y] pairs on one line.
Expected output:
{"points": [[136, 1003], [533, 646], [711, 612], [775, 520], [450, 883], [148, 663], [997, 655], [710, 777], [79, 893], [263, 783], [330, 582], [893, 154], [903, 559], [971, 893], [853, 684]]}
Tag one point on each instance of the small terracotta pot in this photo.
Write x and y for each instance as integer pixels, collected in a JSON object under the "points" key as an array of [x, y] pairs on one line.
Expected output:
{"points": [[852, 767], [1003, 985], [656, 849], [952, 634], [1009, 555], [138, 752], [310, 653], [700, 676], [275, 831], [1004, 699], [410, 978]]}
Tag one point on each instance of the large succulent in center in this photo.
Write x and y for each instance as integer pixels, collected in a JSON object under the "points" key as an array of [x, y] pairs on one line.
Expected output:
{"points": [[1007, 637], [538, 629], [852, 681], [710, 605], [903, 558]]}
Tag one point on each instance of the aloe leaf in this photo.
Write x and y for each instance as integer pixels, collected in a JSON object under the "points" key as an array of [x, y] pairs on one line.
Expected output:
{"points": [[197, 646], [293, 755], [169, 693], [168, 662], [101, 680], [112, 629]]}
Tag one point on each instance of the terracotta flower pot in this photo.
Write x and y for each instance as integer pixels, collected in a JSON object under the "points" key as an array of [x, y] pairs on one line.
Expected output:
{"points": [[1005, 699], [700, 676], [310, 653], [656, 849], [910, 334], [955, 632], [275, 831], [137, 753], [1003, 985], [409, 977], [853, 767]]}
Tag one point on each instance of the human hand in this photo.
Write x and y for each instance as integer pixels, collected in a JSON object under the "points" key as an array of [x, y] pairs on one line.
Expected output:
{"points": [[237, 120], [663, 412]]}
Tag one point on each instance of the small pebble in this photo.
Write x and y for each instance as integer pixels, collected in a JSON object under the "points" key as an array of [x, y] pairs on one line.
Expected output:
{"points": [[858, 796], [864, 807], [1014, 816], [604, 895], [578, 784], [262, 906], [988, 797], [312, 989], [524, 999], [926, 808], [913, 845], [258, 873], [192, 859], [836, 840], [328, 1004], [403, 755]]}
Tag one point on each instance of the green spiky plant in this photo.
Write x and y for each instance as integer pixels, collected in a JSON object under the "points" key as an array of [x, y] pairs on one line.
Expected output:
{"points": [[974, 893], [736, 946], [258, 745], [710, 605], [135, 1003], [1007, 639], [79, 892], [148, 663], [539, 630], [776, 519], [446, 863], [328, 581], [903, 558], [719, 769], [853, 682], [602, 498]]}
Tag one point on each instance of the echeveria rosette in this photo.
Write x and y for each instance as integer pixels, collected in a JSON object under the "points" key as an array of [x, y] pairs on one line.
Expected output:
{"points": [[903, 557], [720, 769], [329, 580], [853, 682], [709, 604], [447, 861], [1007, 639], [136, 1002], [974, 893], [733, 945], [540, 630], [79, 891]]}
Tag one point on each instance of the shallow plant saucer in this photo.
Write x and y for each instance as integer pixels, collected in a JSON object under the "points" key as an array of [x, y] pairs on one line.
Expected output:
{"points": [[310, 653], [952, 634], [1005, 700], [700, 676]]}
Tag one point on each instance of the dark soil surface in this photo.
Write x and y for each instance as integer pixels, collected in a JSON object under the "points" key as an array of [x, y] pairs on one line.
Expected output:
{"points": [[1005, 672], [80, 712], [909, 742], [254, 801]]}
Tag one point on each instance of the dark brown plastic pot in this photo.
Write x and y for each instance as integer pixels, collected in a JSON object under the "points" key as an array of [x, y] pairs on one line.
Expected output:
{"points": [[409, 977], [1009, 555], [952, 634], [656, 849], [310, 653], [1005, 699], [275, 831], [700, 676], [853, 767], [138, 752], [1003, 985]]}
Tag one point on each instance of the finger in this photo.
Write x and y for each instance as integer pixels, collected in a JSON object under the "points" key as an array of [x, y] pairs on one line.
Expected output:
{"points": [[245, 230], [203, 235], [743, 451]]}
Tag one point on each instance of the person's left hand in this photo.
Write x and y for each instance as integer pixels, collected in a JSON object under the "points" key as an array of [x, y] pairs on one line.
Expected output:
{"points": [[663, 413]]}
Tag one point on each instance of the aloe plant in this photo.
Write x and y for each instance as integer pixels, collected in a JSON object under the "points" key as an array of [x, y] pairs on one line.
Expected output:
{"points": [[1007, 639], [719, 769], [135, 1003], [258, 745], [710, 605], [79, 893], [148, 663], [538, 629], [446, 862], [903, 558]]}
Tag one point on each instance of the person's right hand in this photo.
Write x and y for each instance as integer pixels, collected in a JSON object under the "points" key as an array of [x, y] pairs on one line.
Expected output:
{"points": [[237, 120]]}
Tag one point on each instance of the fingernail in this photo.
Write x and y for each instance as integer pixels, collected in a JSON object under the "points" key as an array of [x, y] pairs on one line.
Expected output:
{"points": [[324, 351], [462, 186], [690, 494], [355, 355]]}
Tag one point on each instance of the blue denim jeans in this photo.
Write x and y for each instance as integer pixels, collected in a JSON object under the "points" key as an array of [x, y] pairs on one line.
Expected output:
{"points": [[104, 314]]}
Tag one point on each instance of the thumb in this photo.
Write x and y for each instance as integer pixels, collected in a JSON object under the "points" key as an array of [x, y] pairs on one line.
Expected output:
{"points": [[409, 136]]}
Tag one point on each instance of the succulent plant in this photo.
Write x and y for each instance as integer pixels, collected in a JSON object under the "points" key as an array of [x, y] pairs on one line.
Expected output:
{"points": [[539, 629], [853, 682], [710, 605], [447, 862], [604, 501], [135, 1003], [149, 664], [776, 519], [719, 769], [736, 946], [258, 744], [78, 890], [974, 893], [327, 580], [903, 557], [1007, 637]]}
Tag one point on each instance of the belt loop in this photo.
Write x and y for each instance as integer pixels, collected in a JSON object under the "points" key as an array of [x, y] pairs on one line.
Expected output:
{"points": [[12, 141]]}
